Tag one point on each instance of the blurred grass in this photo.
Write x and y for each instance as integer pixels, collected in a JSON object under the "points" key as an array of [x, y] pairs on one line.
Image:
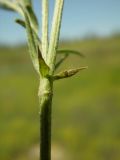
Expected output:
{"points": [[86, 108]]}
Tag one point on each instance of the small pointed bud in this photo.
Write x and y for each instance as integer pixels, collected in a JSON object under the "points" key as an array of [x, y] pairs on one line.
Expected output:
{"points": [[68, 73]]}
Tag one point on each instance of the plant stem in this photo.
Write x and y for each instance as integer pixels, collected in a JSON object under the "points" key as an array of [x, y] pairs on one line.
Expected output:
{"points": [[44, 28], [46, 84], [45, 98], [55, 32]]}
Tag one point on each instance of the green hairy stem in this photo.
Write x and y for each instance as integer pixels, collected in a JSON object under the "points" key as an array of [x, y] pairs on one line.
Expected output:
{"points": [[54, 38], [45, 99], [43, 54], [44, 28], [46, 85]]}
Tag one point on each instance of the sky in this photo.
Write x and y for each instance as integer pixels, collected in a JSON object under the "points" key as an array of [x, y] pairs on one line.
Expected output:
{"points": [[80, 18]]}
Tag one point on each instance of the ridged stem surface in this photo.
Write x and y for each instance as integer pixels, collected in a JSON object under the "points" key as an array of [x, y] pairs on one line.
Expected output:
{"points": [[45, 98]]}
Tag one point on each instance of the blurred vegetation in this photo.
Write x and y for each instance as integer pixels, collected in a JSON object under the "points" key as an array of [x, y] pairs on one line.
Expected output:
{"points": [[86, 110]]}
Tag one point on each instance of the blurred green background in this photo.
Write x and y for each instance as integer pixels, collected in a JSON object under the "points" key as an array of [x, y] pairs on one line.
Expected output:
{"points": [[86, 108]]}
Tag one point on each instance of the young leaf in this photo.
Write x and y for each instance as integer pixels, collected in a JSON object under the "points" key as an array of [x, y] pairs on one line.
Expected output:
{"points": [[68, 73], [31, 41], [11, 6], [61, 61], [33, 18], [43, 67], [21, 22], [7, 5], [27, 2], [66, 51]]}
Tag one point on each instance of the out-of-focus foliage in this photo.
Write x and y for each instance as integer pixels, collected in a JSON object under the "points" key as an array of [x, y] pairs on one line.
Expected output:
{"points": [[86, 110]]}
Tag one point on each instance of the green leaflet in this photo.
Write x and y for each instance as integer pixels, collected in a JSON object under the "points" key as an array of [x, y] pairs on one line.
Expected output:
{"points": [[31, 41], [21, 22], [43, 67], [26, 2], [11, 6], [61, 61], [15, 6], [7, 5], [33, 18], [66, 51], [68, 73]]}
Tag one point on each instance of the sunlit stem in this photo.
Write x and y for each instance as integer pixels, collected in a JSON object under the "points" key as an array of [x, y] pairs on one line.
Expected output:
{"points": [[55, 31], [45, 99], [44, 28]]}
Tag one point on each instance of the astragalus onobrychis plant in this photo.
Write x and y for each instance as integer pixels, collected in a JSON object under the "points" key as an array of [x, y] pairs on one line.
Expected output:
{"points": [[43, 52]]}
